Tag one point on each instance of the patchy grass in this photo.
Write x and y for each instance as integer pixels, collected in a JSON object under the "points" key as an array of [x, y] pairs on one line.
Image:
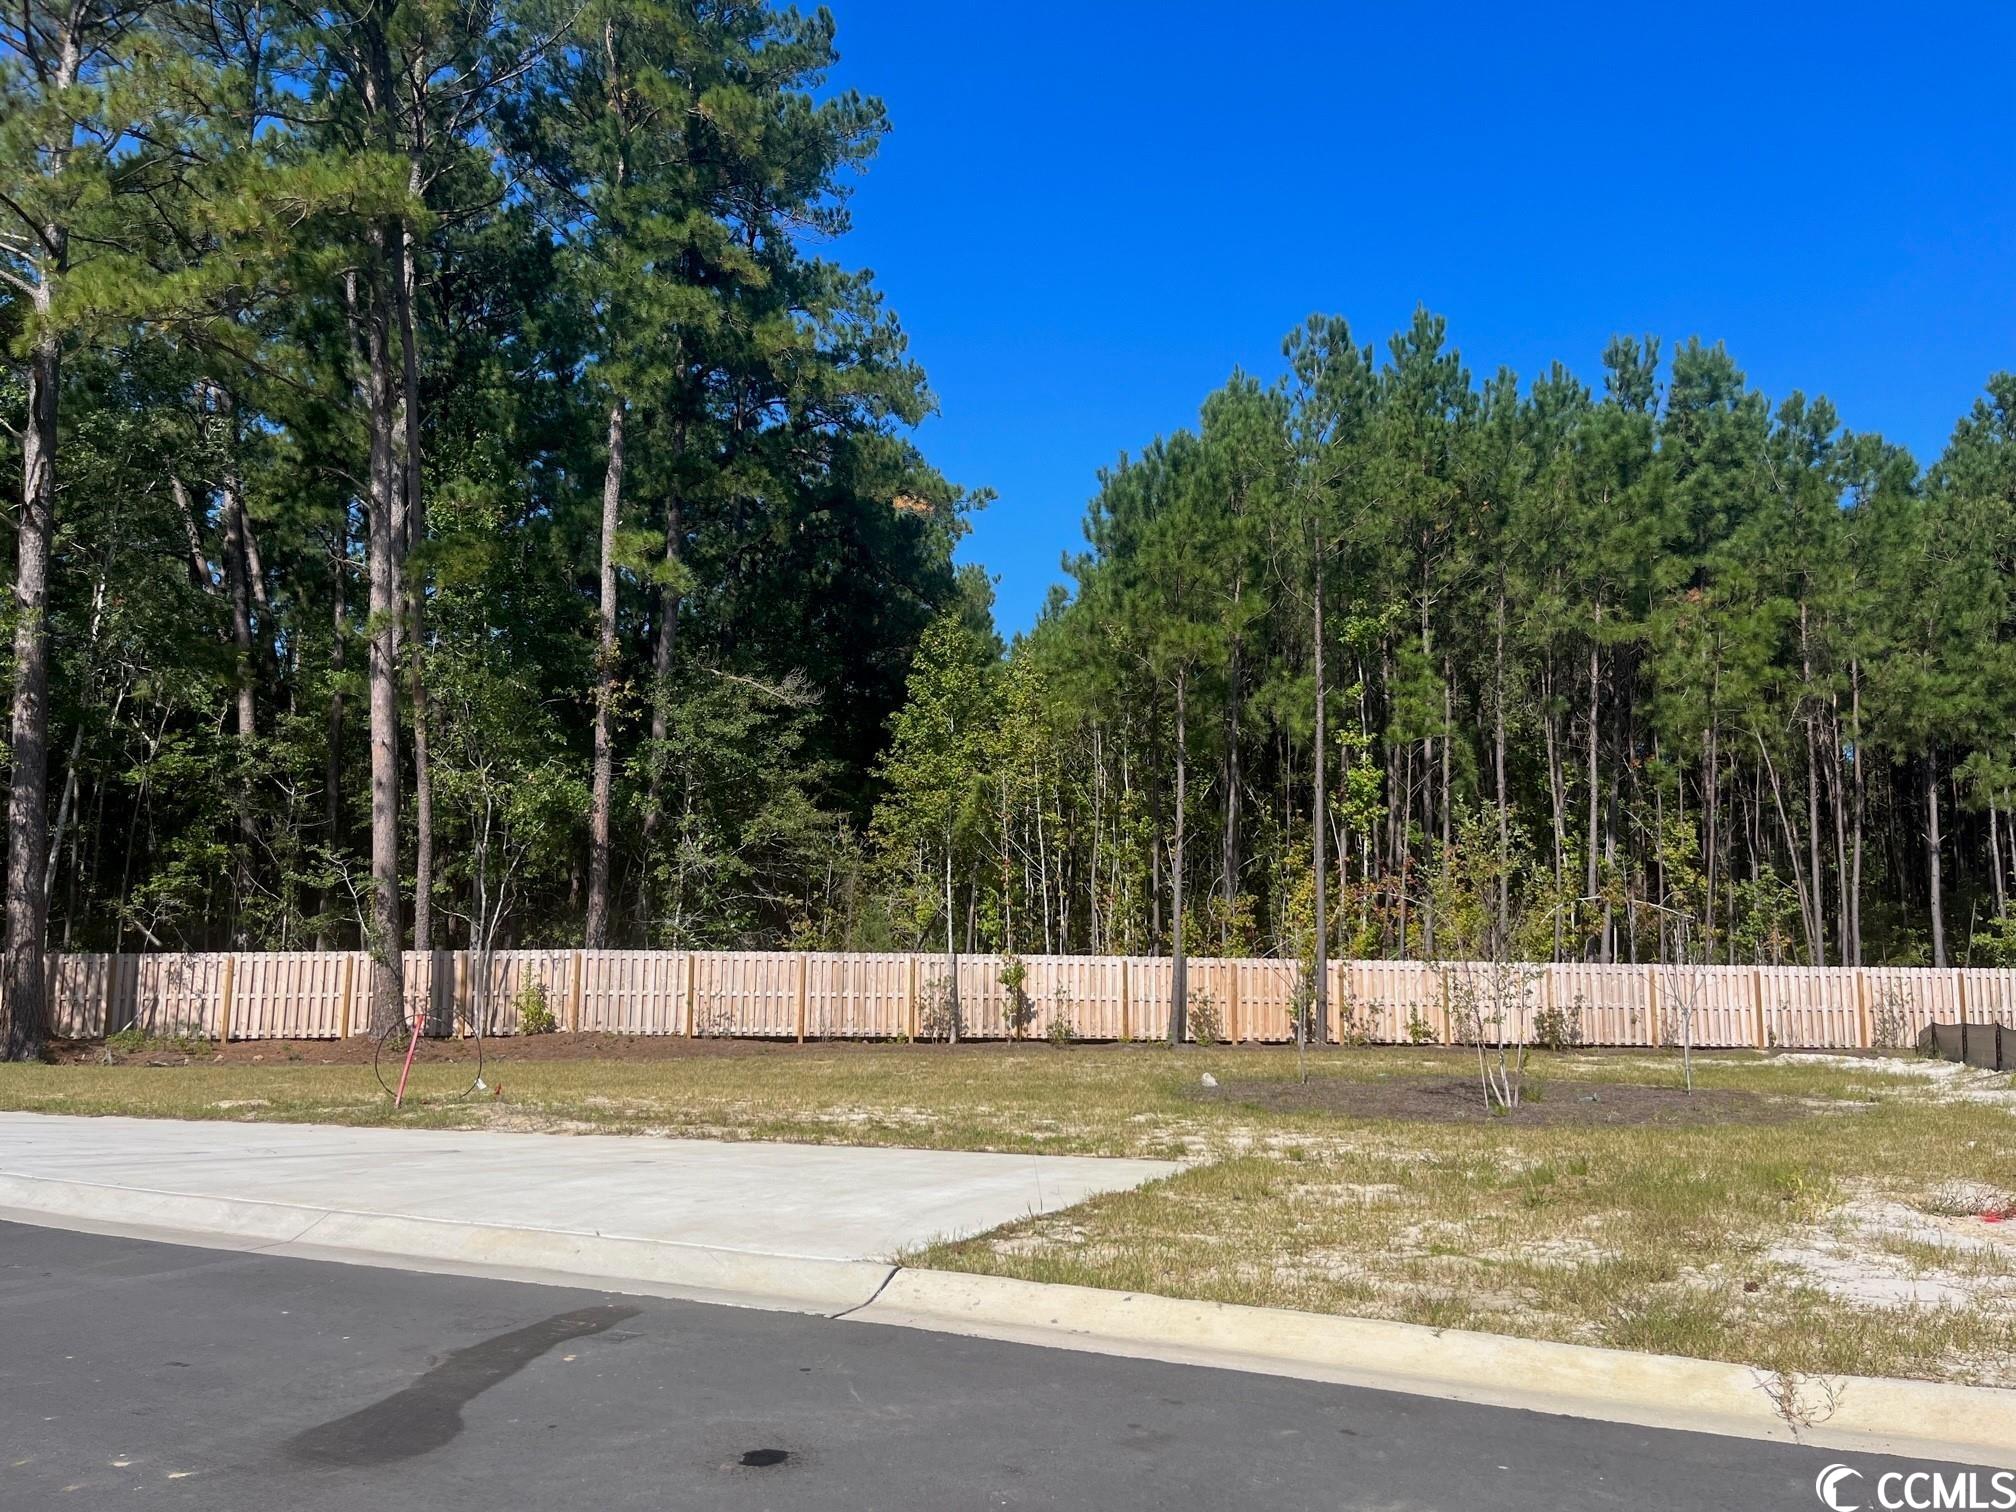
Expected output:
{"points": [[1839, 1234]]}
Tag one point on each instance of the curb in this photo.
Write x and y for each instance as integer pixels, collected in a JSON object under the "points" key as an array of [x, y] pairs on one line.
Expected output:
{"points": [[1916, 1419], [613, 1262]]}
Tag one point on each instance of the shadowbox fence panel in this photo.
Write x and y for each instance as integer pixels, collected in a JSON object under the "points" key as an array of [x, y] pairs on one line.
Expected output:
{"points": [[892, 995]]}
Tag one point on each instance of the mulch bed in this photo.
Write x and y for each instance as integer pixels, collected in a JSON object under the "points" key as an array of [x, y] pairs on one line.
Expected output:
{"points": [[1450, 1099]]}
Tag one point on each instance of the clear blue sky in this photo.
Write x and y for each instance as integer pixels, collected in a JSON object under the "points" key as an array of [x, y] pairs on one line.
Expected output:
{"points": [[1088, 214]]}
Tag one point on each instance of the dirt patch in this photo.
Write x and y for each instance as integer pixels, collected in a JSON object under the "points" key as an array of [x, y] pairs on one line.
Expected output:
{"points": [[356, 1051], [1450, 1099]]}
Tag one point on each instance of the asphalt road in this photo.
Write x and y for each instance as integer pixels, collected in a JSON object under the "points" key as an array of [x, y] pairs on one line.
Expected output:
{"points": [[137, 1374]]}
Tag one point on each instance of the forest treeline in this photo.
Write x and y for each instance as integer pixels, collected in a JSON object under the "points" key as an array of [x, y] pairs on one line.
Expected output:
{"points": [[1480, 669], [467, 499], [464, 496]]}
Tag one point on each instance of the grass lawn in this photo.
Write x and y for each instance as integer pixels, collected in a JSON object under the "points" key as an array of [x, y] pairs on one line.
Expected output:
{"points": [[1802, 1214]]}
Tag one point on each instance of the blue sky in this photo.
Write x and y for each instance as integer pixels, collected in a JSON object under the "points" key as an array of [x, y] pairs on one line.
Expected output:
{"points": [[1087, 215]]}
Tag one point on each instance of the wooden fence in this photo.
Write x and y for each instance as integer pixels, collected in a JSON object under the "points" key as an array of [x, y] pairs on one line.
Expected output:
{"points": [[822, 995]]}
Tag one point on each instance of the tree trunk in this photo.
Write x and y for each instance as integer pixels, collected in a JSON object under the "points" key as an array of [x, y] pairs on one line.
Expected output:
{"points": [[238, 579], [1179, 999], [24, 982], [416, 535], [1595, 688], [1558, 798], [951, 952], [388, 977], [1861, 792], [1230, 875], [597, 931], [1818, 925], [1502, 930], [1995, 855], [1710, 808], [1932, 875], [661, 674], [1319, 998], [332, 759]]}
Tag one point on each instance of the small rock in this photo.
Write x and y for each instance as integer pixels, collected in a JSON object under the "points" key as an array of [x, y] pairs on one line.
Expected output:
{"points": [[1209, 1080], [1591, 1097]]}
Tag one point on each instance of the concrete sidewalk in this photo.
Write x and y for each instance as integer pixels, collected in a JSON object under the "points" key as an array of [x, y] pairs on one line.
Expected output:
{"points": [[809, 1225]]}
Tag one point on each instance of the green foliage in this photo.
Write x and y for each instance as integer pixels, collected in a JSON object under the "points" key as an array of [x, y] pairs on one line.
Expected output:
{"points": [[1558, 1026], [1020, 1011], [1060, 1029], [608, 202], [1737, 678], [1204, 1021], [535, 1015]]}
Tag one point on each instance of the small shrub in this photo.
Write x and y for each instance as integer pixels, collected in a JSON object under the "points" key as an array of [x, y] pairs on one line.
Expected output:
{"points": [[1206, 1026], [1558, 1028], [1419, 1030], [136, 1041], [934, 1009], [715, 1019], [1889, 1021], [1020, 1011], [535, 1015], [1060, 1031]]}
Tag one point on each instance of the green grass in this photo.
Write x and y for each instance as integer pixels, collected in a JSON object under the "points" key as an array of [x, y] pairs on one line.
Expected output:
{"points": [[1663, 1238]]}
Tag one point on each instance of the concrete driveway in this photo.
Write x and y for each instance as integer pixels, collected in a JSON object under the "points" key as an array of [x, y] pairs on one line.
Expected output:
{"points": [[815, 1201]]}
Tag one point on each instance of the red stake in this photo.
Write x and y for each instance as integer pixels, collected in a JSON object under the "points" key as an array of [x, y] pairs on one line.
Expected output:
{"points": [[406, 1068]]}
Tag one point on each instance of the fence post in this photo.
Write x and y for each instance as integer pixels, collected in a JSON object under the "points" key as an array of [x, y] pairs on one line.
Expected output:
{"points": [[910, 999], [1448, 1029], [575, 969], [1652, 1004], [1126, 1004], [343, 1014], [1864, 1037], [802, 974], [686, 993], [1232, 1008], [224, 994], [1757, 986], [1960, 996]]}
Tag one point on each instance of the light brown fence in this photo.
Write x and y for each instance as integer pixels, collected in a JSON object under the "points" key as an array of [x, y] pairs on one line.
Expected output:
{"points": [[831, 995]]}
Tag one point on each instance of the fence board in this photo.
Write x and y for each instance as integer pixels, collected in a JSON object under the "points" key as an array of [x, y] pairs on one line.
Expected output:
{"points": [[167, 995], [1148, 989], [1266, 1005], [290, 994], [1913, 997], [514, 978], [79, 988], [856, 995], [1380, 1000], [1603, 1005], [1492, 1003], [638, 992], [276, 994], [1813, 1008], [1991, 995], [1083, 991]]}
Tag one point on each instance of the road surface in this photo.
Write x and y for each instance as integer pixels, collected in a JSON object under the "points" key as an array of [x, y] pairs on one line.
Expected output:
{"points": [[135, 1374]]}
